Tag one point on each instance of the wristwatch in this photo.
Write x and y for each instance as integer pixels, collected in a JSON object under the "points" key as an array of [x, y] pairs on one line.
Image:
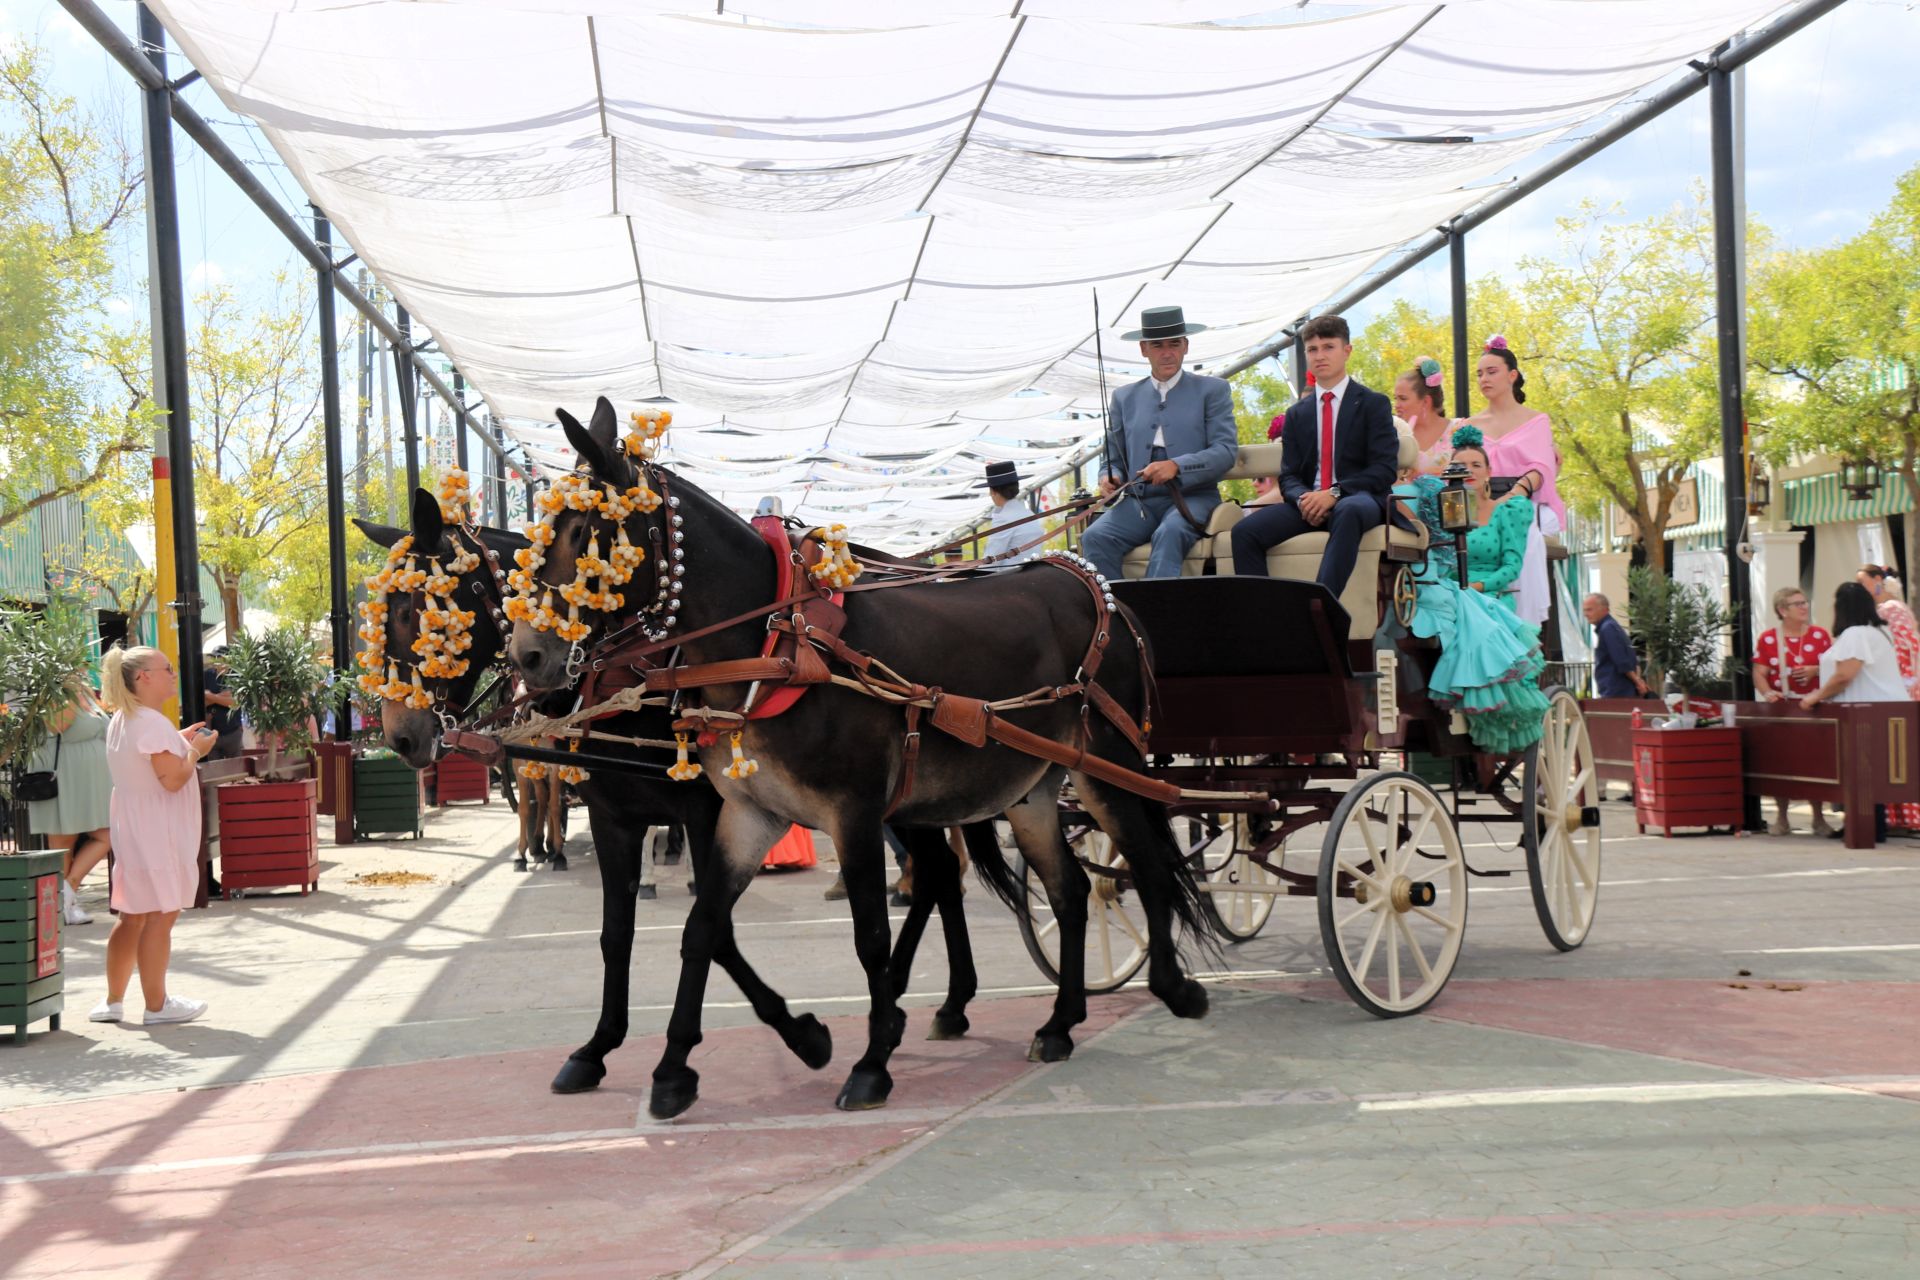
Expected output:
{"points": [[1334, 489]]}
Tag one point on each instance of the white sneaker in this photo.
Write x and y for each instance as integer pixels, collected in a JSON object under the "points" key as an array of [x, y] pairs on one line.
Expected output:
{"points": [[106, 1011], [70, 909], [176, 1009]]}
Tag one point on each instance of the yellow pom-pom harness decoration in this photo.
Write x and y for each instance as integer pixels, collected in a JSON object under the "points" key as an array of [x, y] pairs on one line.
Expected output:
{"points": [[682, 769], [445, 630], [742, 766], [649, 432], [837, 568]]}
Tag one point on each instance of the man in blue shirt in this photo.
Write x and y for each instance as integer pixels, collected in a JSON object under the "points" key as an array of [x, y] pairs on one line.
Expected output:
{"points": [[1616, 670]]}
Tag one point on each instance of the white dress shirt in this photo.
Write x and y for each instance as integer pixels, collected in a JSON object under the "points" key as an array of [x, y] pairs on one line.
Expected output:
{"points": [[1165, 389]]}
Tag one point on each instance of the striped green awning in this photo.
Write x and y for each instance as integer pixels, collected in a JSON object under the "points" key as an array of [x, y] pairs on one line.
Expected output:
{"points": [[1821, 500]]}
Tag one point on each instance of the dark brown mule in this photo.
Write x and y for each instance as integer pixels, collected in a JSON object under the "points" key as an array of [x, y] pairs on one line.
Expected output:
{"points": [[836, 760], [622, 806]]}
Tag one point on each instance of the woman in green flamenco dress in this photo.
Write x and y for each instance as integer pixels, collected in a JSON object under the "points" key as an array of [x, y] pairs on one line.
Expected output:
{"points": [[1490, 663]]}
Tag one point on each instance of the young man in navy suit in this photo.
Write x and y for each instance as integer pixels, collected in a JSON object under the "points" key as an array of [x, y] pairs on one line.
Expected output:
{"points": [[1338, 454], [1171, 428]]}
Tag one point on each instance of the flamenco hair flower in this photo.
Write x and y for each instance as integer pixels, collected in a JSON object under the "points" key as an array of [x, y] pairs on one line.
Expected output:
{"points": [[1468, 437], [1430, 370], [1498, 342]]}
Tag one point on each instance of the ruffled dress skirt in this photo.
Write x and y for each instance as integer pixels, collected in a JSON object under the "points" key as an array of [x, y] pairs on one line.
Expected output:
{"points": [[1489, 667]]}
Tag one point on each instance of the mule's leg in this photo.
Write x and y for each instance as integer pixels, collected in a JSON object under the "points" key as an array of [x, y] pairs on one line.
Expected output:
{"points": [[914, 839], [648, 891], [863, 858], [525, 835], [745, 833], [556, 815], [615, 848], [941, 878], [1036, 829], [1165, 883]]}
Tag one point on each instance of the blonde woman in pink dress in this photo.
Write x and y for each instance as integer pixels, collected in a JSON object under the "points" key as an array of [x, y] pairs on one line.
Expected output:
{"points": [[1420, 401], [1520, 444], [155, 823]]}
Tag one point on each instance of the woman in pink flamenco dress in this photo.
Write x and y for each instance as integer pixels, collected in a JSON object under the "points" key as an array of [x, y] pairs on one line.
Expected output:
{"points": [[155, 825], [1520, 444]]}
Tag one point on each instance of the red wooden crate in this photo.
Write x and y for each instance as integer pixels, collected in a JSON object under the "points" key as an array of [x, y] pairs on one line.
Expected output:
{"points": [[269, 835], [1687, 778], [458, 777]]}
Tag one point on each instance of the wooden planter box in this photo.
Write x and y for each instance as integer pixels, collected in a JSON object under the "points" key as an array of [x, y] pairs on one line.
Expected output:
{"points": [[1687, 778], [332, 760], [386, 797], [460, 778], [32, 985], [269, 835]]}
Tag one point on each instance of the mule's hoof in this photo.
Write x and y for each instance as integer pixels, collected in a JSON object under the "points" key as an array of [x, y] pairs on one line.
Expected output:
{"points": [[1189, 1000], [671, 1097], [948, 1026], [866, 1089], [1050, 1046], [520, 864], [577, 1075], [899, 1028], [558, 862], [810, 1041], [648, 893], [692, 887]]}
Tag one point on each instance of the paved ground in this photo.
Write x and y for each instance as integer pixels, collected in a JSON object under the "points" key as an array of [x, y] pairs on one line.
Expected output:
{"points": [[368, 1095]]}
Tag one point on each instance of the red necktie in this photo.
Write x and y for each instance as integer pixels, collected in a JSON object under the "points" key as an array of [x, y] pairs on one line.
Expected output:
{"points": [[1326, 439]]}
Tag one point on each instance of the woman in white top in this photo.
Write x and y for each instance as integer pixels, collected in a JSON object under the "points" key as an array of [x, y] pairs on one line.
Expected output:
{"points": [[1862, 665]]}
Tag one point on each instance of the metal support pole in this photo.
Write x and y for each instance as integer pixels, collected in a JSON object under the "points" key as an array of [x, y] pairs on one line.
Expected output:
{"points": [[337, 620], [500, 480], [459, 420], [1299, 360], [1457, 270], [1729, 247], [170, 338], [404, 388]]}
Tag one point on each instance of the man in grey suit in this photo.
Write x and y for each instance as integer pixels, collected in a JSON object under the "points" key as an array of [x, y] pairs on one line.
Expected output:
{"points": [[1168, 429]]}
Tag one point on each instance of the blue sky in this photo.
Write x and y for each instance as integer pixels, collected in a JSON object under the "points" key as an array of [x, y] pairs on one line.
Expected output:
{"points": [[1833, 119]]}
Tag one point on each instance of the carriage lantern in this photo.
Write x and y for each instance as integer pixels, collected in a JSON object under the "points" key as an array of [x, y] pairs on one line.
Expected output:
{"points": [[1859, 477], [1759, 492], [1456, 512]]}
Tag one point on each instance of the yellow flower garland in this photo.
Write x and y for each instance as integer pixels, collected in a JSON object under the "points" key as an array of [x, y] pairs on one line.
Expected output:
{"points": [[444, 628], [837, 568], [578, 492]]}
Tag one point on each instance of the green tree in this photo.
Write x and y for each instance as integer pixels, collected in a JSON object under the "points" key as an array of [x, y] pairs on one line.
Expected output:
{"points": [[1260, 394], [68, 184], [258, 453], [1836, 332], [1393, 340], [1616, 339]]}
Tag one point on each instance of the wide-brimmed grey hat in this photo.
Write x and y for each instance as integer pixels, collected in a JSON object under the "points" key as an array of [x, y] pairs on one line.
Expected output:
{"points": [[1162, 322]]}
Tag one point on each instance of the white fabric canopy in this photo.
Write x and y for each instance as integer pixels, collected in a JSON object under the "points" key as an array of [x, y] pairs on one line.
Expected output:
{"points": [[859, 243]]}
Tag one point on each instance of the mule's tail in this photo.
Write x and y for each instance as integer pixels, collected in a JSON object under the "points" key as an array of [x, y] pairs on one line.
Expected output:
{"points": [[990, 861]]}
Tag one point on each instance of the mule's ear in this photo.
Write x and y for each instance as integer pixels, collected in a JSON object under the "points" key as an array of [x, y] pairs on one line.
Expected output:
{"points": [[582, 440], [383, 534], [428, 525], [606, 423]]}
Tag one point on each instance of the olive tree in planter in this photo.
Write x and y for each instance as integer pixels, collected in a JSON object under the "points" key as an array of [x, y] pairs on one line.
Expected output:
{"points": [[269, 829], [1683, 629], [1689, 778]]}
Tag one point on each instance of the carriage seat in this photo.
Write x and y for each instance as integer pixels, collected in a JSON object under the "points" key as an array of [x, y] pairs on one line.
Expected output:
{"points": [[1299, 558]]}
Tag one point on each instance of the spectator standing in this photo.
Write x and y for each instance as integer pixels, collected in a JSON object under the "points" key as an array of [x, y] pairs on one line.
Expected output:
{"points": [[155, 830], [1861, 666], [1616, 668], [1786, 663], [222, 716], [75, 821], [1890, 603]]}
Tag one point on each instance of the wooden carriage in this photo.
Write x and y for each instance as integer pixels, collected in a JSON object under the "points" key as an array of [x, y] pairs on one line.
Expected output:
{"points": [[1271, 685]]}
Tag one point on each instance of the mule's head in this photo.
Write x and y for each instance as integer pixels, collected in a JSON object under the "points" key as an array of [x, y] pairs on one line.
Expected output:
{"points": [[445, 599], [595, 557]]}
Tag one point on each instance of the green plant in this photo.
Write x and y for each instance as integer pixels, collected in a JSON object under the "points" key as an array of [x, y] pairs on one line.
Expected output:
{"points": [[43, 656], [275, 679], [1681, 627]]}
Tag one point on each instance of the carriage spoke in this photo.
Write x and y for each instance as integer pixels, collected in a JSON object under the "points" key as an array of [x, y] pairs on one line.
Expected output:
{"points": [[1413, 945], [1393, 958], [1353, 915], [1413, 842], [1365, 966], [1106, 942], [1427, 913]]}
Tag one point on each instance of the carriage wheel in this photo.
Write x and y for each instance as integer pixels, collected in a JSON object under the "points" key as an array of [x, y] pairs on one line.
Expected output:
{"points": [[1116, 923], [1563, 837], [1406, 597], [1394, 935], [1233, 880]]}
